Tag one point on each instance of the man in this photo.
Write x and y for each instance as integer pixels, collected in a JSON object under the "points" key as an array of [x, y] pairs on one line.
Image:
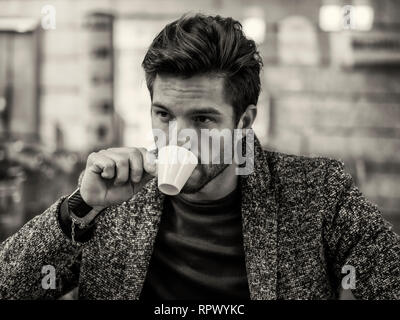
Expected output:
{"points": [[286, 230]]}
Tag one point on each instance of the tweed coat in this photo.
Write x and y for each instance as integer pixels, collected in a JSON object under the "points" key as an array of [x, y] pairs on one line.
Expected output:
{"points": [[303, 219]]}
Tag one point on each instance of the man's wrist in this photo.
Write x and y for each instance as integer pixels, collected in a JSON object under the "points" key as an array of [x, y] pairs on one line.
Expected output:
{"points": [[81, 234], [77, 205]]}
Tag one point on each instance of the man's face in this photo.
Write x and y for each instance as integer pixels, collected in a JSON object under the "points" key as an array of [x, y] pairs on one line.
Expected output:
{"points": [[195, 103]]}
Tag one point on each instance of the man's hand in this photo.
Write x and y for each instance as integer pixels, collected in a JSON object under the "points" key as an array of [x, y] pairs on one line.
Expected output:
{"points": [[112, 176]]}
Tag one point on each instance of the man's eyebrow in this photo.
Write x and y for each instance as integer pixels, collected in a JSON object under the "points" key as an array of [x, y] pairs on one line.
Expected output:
{"points": [[202, 111], [160, 106], [205, 111]]}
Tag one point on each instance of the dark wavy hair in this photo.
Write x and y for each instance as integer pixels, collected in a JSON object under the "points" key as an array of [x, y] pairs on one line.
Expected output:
{"points": [[199, 44]]}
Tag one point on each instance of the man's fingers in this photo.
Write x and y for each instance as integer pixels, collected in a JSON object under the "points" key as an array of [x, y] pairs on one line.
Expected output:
{"points": [[99, 163], [149, 162], [136, 165], [121, 166], [124, 164], [147, 157]]}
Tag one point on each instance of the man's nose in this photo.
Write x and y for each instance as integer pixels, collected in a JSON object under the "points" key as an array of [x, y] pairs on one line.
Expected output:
{"points": [[175, 131], [183, 134]]}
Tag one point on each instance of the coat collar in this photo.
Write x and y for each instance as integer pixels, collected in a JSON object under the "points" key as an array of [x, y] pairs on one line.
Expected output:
{"points": [[259, 224]]}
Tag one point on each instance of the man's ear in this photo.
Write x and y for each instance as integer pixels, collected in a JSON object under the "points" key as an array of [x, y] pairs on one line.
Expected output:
{"points": [[247, 119]]}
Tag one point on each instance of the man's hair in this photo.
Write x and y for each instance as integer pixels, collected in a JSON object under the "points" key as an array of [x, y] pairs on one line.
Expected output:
{"points": [[199, 44]]}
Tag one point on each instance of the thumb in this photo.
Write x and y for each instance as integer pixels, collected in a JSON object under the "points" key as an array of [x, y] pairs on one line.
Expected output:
{"points": [[149, 161]]}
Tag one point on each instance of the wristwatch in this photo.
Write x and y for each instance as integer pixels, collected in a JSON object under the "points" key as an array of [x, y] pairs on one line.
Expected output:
{"points": [[80, 212], [77, 205]]}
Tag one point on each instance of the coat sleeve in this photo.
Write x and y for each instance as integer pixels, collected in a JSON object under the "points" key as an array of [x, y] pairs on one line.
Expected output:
{"points": [[25, 258], [359, 239]]}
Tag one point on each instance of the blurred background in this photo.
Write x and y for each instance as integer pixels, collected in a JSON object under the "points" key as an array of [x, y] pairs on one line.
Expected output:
{"points": [[71, 82]]}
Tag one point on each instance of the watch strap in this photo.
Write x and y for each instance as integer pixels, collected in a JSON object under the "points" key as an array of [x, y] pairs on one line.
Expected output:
{"points": [[77, 205], [81, 235]]}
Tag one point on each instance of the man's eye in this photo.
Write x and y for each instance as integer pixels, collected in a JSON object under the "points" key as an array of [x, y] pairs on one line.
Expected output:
{"points": [[202, 119], [162, 114]]}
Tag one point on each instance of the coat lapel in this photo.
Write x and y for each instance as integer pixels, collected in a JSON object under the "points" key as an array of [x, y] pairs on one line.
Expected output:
{"points": [[145, 217], [259, 223]]}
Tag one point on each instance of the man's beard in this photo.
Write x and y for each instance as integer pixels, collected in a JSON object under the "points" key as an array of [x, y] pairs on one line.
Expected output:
{"points": [[207, 173]]}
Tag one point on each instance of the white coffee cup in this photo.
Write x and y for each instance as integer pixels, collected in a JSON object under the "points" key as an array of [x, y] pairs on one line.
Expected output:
{"points": [[174, 166]]}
